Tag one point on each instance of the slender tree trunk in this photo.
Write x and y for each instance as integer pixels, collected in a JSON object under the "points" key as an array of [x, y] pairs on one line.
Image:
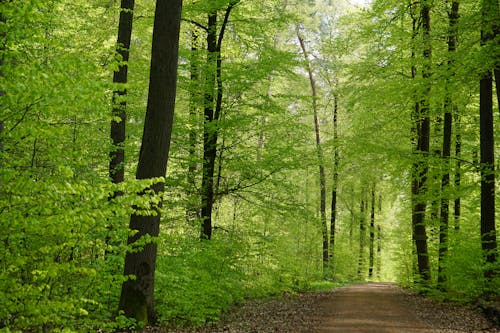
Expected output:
{"points": [[319, 150], [372, 234], [362, 238], [117, 154], [212, 111], [136, 300], [458, 173], [333, 217], [487, 146], [446, 148], [192, 207]]}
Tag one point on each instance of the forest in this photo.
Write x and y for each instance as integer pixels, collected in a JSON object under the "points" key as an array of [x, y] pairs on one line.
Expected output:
{"points": [[162, 160]]}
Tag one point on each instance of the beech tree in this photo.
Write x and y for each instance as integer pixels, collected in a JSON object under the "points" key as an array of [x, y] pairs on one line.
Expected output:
{"points": [[137, 295]]}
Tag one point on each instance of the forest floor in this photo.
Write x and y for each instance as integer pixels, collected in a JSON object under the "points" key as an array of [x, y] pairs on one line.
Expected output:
{"points": [[368, 307]]}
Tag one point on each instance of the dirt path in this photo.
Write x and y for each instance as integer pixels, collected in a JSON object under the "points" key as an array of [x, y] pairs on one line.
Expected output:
{"points": [[371, 307], [368, 307]]}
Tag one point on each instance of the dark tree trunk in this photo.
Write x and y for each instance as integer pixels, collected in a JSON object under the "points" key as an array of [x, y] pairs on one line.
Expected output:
{"points": [[458, 173], [372, 234], [212, 112], [319, 150], [210, 132], [420, 167], [136, 298], [192, 207], [362, 238], [336, 158], [487, 145], [446, 148], [117, 154]]}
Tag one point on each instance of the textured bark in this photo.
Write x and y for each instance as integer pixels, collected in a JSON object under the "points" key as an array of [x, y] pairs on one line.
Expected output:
{"points": [[117, 154], [421, 150], [319, 149], [487, 146], [136, 300]]}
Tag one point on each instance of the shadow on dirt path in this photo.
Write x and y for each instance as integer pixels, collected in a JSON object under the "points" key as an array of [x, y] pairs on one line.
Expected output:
{"points": [[371, 307]]}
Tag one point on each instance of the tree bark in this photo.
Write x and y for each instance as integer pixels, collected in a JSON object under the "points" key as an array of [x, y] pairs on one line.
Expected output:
{"points": [[117, 154], [362, 238], [487, 146], [192, 207], [421, 151], [319, 150], [372, 234], [136, 300], [446, 148], [333, 217], [212, 111]]}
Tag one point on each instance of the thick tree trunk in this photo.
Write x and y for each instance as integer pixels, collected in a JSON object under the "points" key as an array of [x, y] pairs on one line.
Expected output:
{"points": [[136, 300], [117, 154], [319, 150], [487, 145]]}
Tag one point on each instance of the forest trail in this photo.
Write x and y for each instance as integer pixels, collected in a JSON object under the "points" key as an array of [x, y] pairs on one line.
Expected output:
{"points": [[367, 307], [370, 307]]}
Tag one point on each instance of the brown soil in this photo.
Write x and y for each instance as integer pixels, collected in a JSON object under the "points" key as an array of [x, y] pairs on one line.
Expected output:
{"points": [[368, 307]]}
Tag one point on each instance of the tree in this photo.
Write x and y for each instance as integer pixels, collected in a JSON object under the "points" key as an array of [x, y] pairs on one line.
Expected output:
{"points": [[137, 294], [117, 154], [422, 147], [319, 149], [488, 231], [212, 112], [446, 147]]}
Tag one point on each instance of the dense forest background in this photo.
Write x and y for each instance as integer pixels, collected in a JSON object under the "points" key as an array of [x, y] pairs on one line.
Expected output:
{"points": [[314, 143]]}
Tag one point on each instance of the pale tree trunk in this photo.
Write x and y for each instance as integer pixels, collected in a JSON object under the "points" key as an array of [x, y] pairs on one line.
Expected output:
{"points": [[319, 150], [137, 294]]}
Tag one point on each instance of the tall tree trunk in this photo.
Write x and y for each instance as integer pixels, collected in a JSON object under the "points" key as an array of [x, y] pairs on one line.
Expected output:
{"points": [[192, 207], [136, 298], [487, 146], [117, 154], [362, 236], [446, 148], [319, 149], [333, 217], [372, 234], [420, 168], [212, 111], [458, 173]]}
